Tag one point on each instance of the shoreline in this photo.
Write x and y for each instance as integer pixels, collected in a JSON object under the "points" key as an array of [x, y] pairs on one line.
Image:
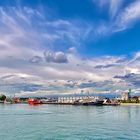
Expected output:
{"points": [[129, 104]]}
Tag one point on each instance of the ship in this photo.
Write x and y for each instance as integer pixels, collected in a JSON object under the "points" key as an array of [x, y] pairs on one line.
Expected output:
{"points": [[33, 101], [97, 103], [87, 102]]}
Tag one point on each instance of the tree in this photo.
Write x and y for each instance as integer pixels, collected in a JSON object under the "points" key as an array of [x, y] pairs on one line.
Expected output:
{"points": [[2, 97]]}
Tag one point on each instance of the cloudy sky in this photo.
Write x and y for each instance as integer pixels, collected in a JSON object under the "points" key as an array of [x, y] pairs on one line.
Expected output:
{"points": [[69, 46]]}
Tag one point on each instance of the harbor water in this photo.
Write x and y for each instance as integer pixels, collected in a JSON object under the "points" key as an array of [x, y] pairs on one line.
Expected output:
{"points": [[67, 122]]}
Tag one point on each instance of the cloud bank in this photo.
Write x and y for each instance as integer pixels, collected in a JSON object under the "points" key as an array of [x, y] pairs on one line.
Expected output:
{"points": [[38, 53]]}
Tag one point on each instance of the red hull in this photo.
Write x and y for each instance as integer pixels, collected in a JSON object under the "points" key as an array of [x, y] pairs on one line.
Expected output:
{"points": [[34, 102]]}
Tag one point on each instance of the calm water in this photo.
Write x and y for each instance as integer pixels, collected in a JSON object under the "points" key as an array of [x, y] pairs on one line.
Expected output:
{"points": [[52, 122]]}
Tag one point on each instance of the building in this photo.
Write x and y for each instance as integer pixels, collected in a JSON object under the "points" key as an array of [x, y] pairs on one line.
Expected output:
{"points": [[125, 96], [135, 99]]}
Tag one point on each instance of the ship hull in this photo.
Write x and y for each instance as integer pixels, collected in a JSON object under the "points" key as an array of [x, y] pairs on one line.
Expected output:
{"points": [[34, 102], [96, 103]]}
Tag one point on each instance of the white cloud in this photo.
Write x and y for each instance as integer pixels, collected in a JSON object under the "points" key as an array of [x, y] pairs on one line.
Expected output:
{"points": [[121, 16], [115, 6], [112, 5], [21, 36], [72, 50], [65, 78], [36, 59], [22, 42], [129, 15], [55, 57]]}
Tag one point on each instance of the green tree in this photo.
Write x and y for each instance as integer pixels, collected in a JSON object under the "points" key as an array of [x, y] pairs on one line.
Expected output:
{"points": [[2, 97]]}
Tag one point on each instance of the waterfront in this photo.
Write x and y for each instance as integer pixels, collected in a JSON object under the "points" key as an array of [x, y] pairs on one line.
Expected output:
{"points": [[57, 122]]}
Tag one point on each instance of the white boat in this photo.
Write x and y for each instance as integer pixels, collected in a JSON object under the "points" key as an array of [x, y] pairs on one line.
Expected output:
{"points": [[6, 102]]}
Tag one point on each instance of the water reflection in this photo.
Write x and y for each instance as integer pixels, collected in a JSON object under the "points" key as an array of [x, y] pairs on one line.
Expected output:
{"points": [[69, 122]]}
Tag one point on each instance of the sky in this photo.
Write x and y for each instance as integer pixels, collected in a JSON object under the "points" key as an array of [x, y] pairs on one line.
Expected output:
{"points": [[69, 46]]}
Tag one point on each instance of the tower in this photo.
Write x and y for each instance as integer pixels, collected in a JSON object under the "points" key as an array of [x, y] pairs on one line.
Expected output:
{"points": [[129, 93]]}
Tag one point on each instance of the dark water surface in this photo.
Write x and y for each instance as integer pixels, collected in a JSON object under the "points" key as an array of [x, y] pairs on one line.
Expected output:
{"points": [[65, 122]]}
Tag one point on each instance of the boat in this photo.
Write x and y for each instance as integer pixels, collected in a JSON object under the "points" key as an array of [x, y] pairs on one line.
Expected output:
{"points": [[112, 104], [16, 100], [1, 102], [87, 102], [78, 102], [97, 103], [33, 101], [8, 100]]}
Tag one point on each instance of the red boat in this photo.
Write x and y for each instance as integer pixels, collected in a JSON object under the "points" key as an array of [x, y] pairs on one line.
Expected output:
{"points": [[34, 101]]}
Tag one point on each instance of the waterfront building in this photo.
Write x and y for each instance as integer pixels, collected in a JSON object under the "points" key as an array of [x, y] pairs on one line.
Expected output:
{"points": [[125, 96], [135, 99]]}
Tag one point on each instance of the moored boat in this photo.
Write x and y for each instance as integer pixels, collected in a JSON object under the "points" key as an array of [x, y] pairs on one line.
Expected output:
{"points": [[8, 100], [34, 101], [89, 101], [97, 103]]}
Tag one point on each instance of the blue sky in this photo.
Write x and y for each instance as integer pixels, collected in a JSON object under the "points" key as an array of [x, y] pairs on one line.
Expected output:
{"points": [[69, 46], [94, 13]]}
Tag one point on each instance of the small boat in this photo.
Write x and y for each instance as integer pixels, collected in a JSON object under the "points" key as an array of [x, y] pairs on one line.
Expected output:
{"points": [[1, 102], [16, 100], [8, 102], [34, 101]]}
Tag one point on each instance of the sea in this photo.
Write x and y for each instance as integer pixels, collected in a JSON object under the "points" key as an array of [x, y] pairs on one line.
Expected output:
{"points": [[69, 122]]}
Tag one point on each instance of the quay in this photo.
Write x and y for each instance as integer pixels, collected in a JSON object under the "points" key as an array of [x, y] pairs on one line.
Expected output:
{"points": [[61, 100]]}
